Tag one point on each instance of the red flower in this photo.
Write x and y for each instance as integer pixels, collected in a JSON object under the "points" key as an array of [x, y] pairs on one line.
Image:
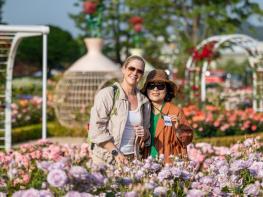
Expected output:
{"points": [[195, 88], [137, 27], [89, 7], [205, 53], [136, 20], [196, 56]]}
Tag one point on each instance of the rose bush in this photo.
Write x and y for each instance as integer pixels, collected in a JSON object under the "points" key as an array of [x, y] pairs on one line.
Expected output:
{"points": [[47, 169], [213, 121]]}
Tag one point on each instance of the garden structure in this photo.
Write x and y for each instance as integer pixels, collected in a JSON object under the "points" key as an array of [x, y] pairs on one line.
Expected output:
{"points": [[75, 92], [198, 63], [10, 38]]}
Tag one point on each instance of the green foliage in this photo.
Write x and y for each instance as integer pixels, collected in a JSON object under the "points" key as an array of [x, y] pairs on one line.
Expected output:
{"points": [[34, 131], [25, 85], [37, 178], [227, 140], [116, 30], [191, 21], [62, 48], [247, 177]]}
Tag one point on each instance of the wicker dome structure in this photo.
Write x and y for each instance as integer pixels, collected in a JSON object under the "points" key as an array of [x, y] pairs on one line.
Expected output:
{"points": [[74, 94]]}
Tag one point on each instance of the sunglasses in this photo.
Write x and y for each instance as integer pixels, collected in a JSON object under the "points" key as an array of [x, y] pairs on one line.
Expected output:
{"points": [[132, 69], [159, 86]]}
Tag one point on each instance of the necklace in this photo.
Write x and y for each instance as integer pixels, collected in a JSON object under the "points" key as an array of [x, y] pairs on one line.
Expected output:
{"points": [[160, 110]]}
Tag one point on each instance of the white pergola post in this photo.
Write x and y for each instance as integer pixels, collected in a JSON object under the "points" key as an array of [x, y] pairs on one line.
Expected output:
{"points": [[203, 82], [15, 34], [44, 88]]}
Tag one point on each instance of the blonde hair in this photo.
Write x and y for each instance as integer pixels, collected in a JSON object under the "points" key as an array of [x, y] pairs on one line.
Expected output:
{"points": [[131, 58]]}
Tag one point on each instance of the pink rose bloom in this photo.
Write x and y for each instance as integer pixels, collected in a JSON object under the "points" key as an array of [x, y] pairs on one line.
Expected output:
{"points": [[26, 178]]}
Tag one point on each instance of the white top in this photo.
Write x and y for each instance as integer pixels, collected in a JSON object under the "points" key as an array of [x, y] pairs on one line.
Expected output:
{"points": [[128, 138]]}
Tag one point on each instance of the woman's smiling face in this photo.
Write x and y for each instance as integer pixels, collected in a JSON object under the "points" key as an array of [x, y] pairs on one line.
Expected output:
{"points": [[133, 72], [156, 91]]}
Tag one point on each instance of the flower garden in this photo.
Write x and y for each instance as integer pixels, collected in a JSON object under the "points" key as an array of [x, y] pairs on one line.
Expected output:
{"points": [[229, 91], [47, 169]]}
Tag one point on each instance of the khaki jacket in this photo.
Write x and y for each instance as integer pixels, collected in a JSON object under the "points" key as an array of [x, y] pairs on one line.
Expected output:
{"points": [[166, 139], [105, 127]]}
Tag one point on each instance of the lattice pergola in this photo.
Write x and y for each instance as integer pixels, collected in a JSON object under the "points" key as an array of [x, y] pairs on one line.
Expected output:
{"points": [[195, 76], [10, 38]]}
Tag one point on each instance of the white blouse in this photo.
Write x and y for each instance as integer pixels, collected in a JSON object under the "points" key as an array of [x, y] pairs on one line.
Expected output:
{"points": [[128, 138]]}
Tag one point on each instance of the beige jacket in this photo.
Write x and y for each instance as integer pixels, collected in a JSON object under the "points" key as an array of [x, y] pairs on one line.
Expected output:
{"points": [[105, 127]]}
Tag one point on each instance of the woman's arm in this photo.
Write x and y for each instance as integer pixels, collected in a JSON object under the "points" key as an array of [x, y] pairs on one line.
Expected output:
{"points": [[99, 117], [184, 131]]}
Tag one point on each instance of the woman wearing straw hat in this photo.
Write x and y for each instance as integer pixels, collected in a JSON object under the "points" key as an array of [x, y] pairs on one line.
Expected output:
{"points": [[170, 131]]}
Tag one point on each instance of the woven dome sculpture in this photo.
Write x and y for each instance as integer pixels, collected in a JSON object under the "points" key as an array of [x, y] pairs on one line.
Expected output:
{"points": [[74, 94]]}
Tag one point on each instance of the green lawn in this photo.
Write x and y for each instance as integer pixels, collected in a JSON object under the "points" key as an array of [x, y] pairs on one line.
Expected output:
{"points": [[228, 140], [31, 132]]}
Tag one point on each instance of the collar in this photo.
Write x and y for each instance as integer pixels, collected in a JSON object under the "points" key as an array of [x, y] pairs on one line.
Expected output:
{"points": [[141, 98]]}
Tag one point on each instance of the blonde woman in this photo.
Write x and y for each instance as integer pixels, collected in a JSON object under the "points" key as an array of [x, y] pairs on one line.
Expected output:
{"points": [[119, 119]]}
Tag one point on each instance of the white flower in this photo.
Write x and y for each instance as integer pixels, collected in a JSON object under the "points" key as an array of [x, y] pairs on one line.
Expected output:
{"points": [[2, 194], [195, 193], [78, 172], [252, 189], [31, 193], [160, 191], [57, 178]]}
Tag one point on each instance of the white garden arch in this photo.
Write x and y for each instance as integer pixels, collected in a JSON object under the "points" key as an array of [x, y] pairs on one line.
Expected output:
{"points": [[195, 76], [10, 38]]}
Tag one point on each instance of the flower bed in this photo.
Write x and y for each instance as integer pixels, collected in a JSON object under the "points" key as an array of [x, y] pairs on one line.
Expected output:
{"points": [[46, 169], [220, 122], [27, 110]]}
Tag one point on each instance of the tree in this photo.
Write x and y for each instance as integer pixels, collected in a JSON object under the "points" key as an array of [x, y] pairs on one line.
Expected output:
{"points": [[62, 49], [191, 21], [116, 31]]}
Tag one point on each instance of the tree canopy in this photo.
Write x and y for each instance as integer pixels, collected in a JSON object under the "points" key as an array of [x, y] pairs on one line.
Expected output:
{"points": [[184, 23], [62, 49]]}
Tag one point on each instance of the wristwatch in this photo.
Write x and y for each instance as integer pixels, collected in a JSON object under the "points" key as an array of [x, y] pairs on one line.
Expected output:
{"points": [[114, 152]]}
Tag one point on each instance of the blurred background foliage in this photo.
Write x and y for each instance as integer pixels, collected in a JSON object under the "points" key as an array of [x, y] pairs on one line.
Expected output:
{"points": [[180, 24]]}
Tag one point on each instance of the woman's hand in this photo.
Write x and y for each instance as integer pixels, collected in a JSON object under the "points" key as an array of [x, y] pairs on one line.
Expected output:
{"points": [[139, 131], [142, 134], [185, 137], [175, 121], [121, 159]]}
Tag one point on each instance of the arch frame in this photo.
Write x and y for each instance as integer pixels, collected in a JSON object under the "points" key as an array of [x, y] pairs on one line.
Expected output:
{"points": [[253, 48], [15, 33]]}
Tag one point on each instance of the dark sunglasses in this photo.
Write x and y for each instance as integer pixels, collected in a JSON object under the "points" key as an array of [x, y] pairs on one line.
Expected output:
{"points": [[159, 86], [132, 69]]}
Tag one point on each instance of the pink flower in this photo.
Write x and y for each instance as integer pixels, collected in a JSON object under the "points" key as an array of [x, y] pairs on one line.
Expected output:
{"points": [[89, 7], [26, 178], [254, 128], [137, 28]]}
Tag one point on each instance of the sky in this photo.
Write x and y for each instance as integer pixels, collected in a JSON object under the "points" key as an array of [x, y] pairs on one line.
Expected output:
{"points": [[54, 12], [41, 12]]}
